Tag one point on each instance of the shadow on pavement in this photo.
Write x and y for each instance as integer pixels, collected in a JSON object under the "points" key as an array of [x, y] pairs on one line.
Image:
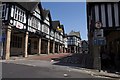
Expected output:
{"points": [[111, 70], [79, 61], [75, 60]]}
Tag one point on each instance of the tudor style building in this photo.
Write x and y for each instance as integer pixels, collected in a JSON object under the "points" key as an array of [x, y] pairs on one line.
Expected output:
{"points": [[108, 14], [74, 42], [58, 36], [29, 30], [21, 29], [45, 48]]}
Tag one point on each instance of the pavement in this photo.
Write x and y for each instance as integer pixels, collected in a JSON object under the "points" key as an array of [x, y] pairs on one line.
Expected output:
{"points": [[48, 57], [102, 73], [51, 58]]}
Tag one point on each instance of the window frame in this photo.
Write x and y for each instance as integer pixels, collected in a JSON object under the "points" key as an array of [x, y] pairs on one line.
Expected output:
{"points": [[19, 14], [16, 41]]}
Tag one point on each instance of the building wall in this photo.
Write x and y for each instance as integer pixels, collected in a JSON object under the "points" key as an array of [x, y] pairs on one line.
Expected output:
{"points": [[106, 13], [113, 35]]}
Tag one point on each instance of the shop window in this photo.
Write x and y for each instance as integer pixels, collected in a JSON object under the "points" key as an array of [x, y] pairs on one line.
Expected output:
{"points": [[35, 44], [16, 41]]}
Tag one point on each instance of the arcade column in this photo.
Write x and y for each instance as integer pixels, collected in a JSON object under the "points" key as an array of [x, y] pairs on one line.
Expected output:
{"points": [[7, 42]]}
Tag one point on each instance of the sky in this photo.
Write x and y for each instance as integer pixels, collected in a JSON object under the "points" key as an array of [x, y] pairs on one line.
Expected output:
{"points": [[71, 14]]}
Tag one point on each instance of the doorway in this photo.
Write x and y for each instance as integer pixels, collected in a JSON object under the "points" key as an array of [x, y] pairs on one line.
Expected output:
{"points": [[29, 46]]}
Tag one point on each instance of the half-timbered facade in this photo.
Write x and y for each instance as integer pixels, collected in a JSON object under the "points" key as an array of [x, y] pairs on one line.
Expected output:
{"points": [[15, 29], [65, 38], [29, 30], [35, 30], [108, 14], [45, 42], [74, 42], [58, 36]]}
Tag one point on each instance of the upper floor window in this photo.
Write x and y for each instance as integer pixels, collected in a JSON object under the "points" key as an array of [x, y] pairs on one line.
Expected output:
{"points": [[45, 29], [37, 14], [52, 33], [1, 11], [70, 38], [60, 37], [19, 14], [35, 23], [57, 36], [3, 8]]}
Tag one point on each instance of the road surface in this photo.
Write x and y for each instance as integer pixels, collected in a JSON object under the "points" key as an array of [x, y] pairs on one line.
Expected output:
{"points": [[39, 69]]}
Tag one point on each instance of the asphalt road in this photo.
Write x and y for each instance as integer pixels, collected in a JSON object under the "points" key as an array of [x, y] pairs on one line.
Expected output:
{"points": [[39, 69]]}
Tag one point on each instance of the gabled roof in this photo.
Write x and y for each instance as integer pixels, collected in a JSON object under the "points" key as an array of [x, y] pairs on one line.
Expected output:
{"points": [[84, 41], [74, 33], [45, 13], [30, 6], [55, 24]]}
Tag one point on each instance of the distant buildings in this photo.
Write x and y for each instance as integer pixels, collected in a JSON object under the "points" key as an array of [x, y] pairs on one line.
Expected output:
{"points": [[74, 42]]}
